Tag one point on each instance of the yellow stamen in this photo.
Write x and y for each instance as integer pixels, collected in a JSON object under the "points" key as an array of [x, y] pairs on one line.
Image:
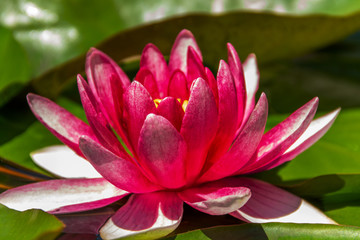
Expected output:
{"points": [[157, 102], [183, 103]]}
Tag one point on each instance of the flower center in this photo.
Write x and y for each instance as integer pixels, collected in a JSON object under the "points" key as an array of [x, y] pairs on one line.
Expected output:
{"points": [[183, 103]]}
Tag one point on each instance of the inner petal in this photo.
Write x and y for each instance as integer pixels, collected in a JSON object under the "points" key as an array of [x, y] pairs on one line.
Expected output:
{"points": [[183, 103]]}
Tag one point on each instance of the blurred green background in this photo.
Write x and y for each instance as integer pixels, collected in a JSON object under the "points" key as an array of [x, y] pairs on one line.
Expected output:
{"points": [[304, 48]]}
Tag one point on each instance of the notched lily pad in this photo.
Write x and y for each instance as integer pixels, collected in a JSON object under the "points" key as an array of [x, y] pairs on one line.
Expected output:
{"points": [[30, 225]]}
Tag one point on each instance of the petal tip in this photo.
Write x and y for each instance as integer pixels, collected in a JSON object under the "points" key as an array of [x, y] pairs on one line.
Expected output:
{"points": [[185, 33]]}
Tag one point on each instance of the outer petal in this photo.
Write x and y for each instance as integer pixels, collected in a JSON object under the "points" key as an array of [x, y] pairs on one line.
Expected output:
{"points": [[145, 216], [243, 147], [122, 173], [216, 198], [63, 196], [283, 135], [102, 73], [146, 78], [137, 105], [271, 204], [152, 59], [171, 109], [238, 74], [312, 134], [199, 126], [63, 162], [252, 76], [179, 51], [162, 151], [178, 86], [97, 121], [59, 121], [228, 108]]}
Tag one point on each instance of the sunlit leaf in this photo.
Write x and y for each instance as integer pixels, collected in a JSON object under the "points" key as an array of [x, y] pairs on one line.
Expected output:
{"points": [[29, 225], [272, 231]]}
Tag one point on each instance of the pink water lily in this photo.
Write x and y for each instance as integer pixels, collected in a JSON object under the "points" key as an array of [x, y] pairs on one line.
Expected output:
{"points": [[185, 136]]}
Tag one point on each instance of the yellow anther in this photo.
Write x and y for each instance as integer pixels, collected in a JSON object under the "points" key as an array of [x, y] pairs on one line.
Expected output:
{"points": [[157, 102], [183, 103]]}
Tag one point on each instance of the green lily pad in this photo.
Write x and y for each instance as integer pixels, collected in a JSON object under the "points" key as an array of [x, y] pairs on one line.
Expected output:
{"points": [[272, 231], [29, 225], [338, 152], [338, 195], [15, 70]]}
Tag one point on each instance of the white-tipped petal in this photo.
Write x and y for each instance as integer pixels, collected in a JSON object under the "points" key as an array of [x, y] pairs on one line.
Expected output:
{"points": [[272, 204], [317, 128], [252, 76], [61, 161], [145, 216], [306, 213], [63, 195]]}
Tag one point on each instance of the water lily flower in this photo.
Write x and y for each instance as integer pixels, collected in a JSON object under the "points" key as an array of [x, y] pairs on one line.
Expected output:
{"points": [[175, 134]]}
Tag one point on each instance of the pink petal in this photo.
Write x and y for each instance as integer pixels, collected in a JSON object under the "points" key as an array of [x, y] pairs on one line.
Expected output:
{"points": [[63, 162], [277, 140], [145, 216], [118, 92], [227, 110], [312, 134], [102, 72], [59, 121], [179, 51], [137, 105], [171, 109], [271, 204], [199, 126], [216, 198], [212, 83], [97, 121], [63, 196], [152, 59], [178, 86], [195, 68], [238, 74], [252, 76], [145, 77], [122, 173], [243, 147], [162, 151]]}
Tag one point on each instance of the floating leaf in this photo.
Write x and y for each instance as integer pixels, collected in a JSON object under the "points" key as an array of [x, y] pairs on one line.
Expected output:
{"points": [[337, 194], [272, 231], [29, 225]]}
